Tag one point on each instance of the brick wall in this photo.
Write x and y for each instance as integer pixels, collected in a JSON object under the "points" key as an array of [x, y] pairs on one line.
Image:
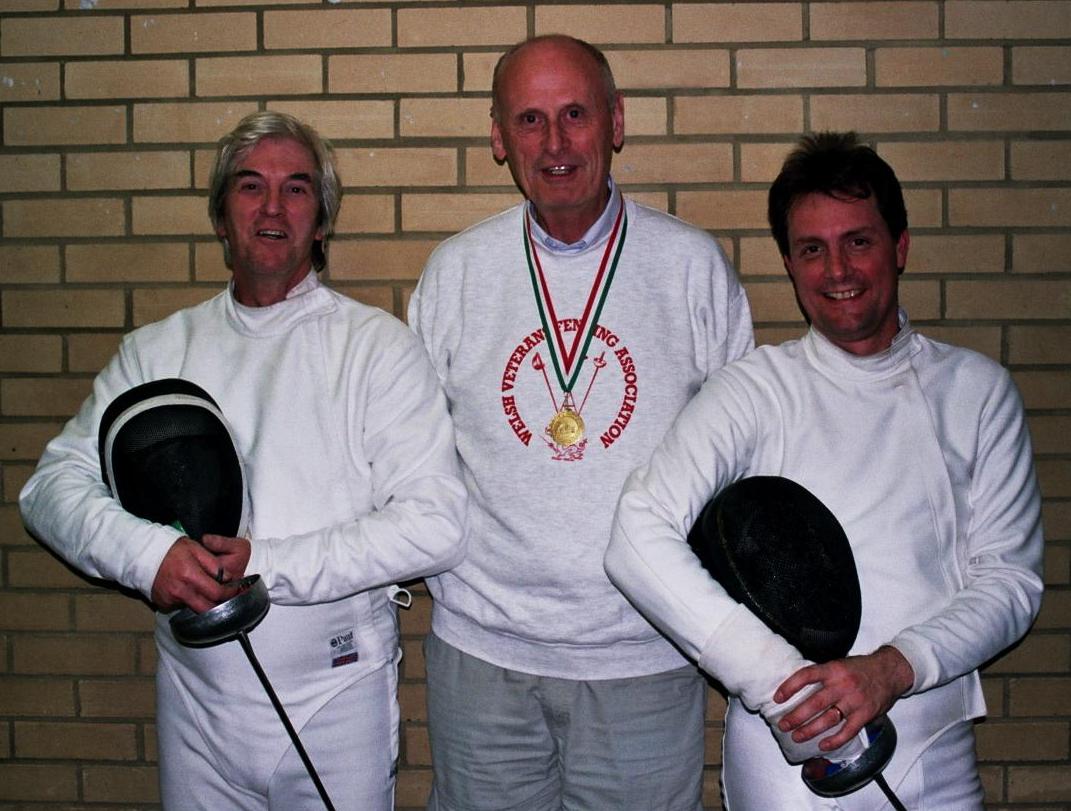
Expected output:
{"points": [[110, 110]]}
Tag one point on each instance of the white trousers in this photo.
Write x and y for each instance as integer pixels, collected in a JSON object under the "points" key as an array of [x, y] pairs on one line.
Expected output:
{"points": [[756, 778], [352, 742]]}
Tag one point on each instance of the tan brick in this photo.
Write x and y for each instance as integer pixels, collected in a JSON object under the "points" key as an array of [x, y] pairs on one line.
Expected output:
{"points": [[42, 397], [112, 612], [925, 67], [1039, 344], [34, 612], [1044, 66], [417, 746], [888, 20], [674, 163], [34, 126], [759, 257], [1056, 610], [1038, 653], [154, 304], [63, 308], [74, 654], [208, 262], [481, 169], [760, 163], [413, 665], [1009, 112], [147, 655], [61, 36], [120, 784], [126, 4], [986, 340], [1044, 389], [411, 699], [773, 302], [413, 788], [669, 69], [1041, 160], [1009, 207], [12, 531], [30, 353], [366, 214], [392, 73], [695, 115], [380, 295], [455, 27], [721, 210], [992, 779], [29, 173], [126, 79], [121, 698], [601, 24], [82, 217], [737, 22], [1000, 19], [379, 259], [91, 171], [1054, 479], [1057, 558], [29, 81], [1039, 783], [327, 28], [22, 697], [1022, 741], [1008, 300], [29, 264], [645, 116], [398, 166], [7, 6], [170, 215], [1040, 253], [417, 620], [801, 67], [24, 442], [204, 122], [952, 253], [450, 212], [34, 568], [28, 781], [1056, 516], [1052, 434], [343, 119], [200, 32], [210, 3], [74, 741], [259, 75], [478, 69], [134, 262], [89, 352], [912, 112], [945, 160], [444, 118], [922, 299], [13, 478]]}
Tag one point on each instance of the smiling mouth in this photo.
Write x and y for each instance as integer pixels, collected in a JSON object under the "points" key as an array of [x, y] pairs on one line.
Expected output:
{"points": [[271, 233], [558, 171], [843, 295]]}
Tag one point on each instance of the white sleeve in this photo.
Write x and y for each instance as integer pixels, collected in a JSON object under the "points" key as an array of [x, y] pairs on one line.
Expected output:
{"points": [[66, 505], [416, 527], [1001, 562], [709, 446]]}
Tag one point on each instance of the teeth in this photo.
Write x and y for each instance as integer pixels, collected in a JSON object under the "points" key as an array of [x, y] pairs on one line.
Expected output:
{"points": [[844, 294], [272, 234], [557, 170]]}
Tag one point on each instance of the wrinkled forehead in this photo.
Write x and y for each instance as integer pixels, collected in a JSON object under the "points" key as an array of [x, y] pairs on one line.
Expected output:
{"points": [[550, 71]]}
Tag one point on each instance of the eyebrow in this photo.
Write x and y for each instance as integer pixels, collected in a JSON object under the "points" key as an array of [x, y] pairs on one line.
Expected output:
{"points": [[305, 176]]}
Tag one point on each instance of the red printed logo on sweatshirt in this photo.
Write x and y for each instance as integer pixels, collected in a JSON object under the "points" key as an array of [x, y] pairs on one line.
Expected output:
{"points": [[531, 396]]}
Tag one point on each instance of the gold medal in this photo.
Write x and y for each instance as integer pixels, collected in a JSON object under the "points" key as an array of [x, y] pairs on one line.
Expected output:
{"points": [[566, 427]]}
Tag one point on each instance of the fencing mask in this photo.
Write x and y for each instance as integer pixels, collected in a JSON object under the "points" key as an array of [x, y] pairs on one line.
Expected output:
{"points": [[776, 549]]}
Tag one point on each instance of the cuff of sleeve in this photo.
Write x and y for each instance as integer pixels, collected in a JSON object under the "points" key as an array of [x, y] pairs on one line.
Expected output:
{"points": [[749, 659], [918, 653], [144, 568], [260, 555]]}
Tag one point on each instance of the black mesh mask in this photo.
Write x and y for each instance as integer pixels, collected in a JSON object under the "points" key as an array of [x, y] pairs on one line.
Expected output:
{"points": [[773, 546], [168, 456]]}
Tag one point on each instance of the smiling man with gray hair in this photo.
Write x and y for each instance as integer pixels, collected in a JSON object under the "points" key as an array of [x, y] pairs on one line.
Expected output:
{"points": [[353, 486]]}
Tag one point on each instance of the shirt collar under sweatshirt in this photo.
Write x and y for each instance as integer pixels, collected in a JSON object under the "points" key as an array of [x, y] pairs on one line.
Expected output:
{"points": [[595, 234]]}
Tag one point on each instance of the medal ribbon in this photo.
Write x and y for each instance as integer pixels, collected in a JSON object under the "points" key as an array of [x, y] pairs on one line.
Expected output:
{"points": [[564, 357]]}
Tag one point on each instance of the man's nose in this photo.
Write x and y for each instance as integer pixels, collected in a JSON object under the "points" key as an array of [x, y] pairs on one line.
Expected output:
{"points": [[271, 202], [836, 264], [557, 138]]}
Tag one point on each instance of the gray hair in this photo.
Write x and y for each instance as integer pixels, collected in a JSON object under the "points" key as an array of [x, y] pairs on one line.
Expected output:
{"points": [[607, 75], [250, 131]]}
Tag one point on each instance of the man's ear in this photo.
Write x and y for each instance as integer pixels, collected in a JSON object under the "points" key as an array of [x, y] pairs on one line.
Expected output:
{"points": [[498, 147], [617, 115], [902, 245]]}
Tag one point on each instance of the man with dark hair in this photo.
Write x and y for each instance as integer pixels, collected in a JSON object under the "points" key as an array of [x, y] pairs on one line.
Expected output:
{"points": [[919, 448], [353, 486], [568, 331]]}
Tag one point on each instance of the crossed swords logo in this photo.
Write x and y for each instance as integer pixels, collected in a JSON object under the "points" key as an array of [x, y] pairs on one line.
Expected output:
{"points": [[540, 364]]}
